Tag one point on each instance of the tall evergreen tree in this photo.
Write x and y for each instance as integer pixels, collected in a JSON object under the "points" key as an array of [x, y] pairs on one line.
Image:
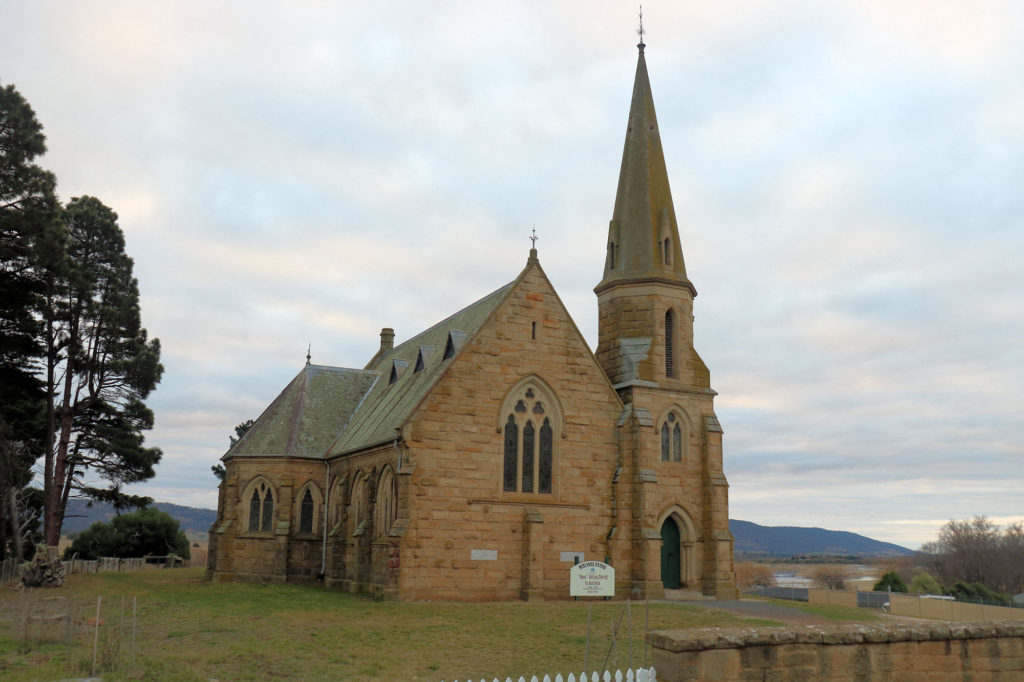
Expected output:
{"points": [[100, 366], [29, 227]]}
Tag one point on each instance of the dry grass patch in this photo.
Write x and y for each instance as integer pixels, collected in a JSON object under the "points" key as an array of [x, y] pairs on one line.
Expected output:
{"points": [[190, 629]]}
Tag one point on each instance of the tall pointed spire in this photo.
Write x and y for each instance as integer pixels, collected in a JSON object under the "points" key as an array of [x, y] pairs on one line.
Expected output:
{"points": [[643, 238]]}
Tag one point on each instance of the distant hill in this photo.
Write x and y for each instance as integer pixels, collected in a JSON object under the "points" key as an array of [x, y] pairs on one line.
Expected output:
{"points": [[754, 541], [195, 522]]}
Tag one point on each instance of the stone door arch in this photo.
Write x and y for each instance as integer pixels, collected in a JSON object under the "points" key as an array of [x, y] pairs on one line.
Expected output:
{"points": [[678, 536]]}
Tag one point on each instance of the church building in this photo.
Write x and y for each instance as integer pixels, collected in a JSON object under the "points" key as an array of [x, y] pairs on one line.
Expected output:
{"points": [[481, 458]]}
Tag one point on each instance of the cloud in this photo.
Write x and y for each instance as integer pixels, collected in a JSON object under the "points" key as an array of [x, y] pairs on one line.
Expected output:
{"points": [[846, 177]]}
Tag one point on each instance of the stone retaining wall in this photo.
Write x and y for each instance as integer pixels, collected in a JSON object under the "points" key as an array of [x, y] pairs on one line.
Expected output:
{"points": [[943, 652]]}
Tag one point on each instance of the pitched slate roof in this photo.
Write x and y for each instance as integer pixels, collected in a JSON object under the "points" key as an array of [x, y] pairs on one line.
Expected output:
{"points": [[308, 415], [388, 405], [327, 411]]}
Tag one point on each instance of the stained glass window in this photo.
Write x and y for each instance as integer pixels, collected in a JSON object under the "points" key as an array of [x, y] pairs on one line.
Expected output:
{"points": [[528, 458], [677, 444], [546, 442], [528, 454], [511, 453]]}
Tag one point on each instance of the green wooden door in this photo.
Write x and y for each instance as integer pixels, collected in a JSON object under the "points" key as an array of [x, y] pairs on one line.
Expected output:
{"points": [[670, 555]]}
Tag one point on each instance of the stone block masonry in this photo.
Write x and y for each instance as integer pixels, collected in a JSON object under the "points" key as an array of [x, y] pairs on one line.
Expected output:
{"points": [[945, 652]]}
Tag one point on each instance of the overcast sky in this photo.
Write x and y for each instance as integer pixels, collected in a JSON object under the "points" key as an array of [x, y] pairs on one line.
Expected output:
{"points": [[848, 178]]}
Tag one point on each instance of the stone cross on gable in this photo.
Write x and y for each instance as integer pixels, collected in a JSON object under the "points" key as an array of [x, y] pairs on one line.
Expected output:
{"points": [[534, 237]]}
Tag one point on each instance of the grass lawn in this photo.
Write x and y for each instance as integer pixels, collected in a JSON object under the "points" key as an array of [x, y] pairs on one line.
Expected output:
{"points": [[828, 611], [190, 629]]}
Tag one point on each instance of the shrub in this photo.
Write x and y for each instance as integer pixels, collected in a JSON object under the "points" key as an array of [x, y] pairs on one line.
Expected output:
{"points": [[754, 575], [924, 583], [147, 532], [977, 593], [891, 582], [829, 577]]}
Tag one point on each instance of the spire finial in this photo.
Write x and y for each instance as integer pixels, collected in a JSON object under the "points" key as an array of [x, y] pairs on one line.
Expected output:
{"points": [[309, 355], [534, 237], [640, 31]]}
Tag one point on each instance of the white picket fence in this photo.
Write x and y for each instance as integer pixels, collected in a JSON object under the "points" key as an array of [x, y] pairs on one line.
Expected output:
{"points": [[640, 675]]}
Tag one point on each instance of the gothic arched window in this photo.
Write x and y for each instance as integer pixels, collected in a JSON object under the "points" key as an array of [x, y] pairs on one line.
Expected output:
{"points": [[386, 505], [261, 506], [358, 505], [306, 513], [673, 437], [529, 423]]}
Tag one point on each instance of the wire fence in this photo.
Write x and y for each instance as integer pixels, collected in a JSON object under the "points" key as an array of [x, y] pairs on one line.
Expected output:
{"points": [[10, 569], [101, 637]]}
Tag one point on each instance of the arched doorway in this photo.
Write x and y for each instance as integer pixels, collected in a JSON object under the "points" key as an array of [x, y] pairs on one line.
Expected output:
{"points": [[670, 548]]}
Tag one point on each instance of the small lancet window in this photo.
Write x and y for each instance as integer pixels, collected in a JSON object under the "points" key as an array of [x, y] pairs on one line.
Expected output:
{"points": [[306, 513], [511, 454], [677, 444], [546, 445], [664, 443], [611, 255], [667, 251], [528, 446], [268, 512], [254, 512]]}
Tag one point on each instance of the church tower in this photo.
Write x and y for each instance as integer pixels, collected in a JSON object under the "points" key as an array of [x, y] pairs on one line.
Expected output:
{"points": [[670, 439]]}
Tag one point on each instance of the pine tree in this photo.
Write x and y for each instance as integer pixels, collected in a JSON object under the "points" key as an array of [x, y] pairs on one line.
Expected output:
{"points": [[100, 366], [28, 223]]}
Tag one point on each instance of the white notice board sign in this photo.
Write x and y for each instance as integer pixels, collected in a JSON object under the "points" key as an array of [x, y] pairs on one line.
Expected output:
{"points": [[592, 579]]}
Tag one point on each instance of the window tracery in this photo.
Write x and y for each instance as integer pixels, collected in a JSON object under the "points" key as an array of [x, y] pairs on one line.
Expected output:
{"points": [[673, 437], [261, 506], [530, 421]]}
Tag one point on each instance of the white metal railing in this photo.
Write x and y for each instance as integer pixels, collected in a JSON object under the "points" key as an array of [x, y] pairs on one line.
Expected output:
{"points": [[639, 675]]}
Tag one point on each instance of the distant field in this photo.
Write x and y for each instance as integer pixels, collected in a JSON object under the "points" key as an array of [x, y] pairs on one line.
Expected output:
{"points": [[189, 629]]}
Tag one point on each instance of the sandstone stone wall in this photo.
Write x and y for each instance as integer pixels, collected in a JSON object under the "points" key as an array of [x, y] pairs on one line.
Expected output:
{"points": [[944, 652], [469, 539]]}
